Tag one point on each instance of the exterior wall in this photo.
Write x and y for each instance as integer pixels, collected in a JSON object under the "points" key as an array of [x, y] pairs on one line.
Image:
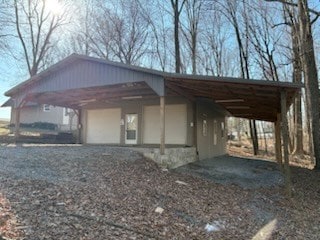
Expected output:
{"points": [[210, 141], [136, 106], [35, 113], [100, 73], [211, 130]]}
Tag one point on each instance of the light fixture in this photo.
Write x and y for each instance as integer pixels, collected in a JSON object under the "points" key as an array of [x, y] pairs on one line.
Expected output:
{"points": [[229, 100], [131, 97], [88, 100], [237, 107]]}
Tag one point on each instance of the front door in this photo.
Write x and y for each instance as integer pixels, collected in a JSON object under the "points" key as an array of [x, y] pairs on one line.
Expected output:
{"points": [[131, 129]]}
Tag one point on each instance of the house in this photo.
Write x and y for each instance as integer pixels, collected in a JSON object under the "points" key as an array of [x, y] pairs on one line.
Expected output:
{"points": [[63, 119], [175, 118]]}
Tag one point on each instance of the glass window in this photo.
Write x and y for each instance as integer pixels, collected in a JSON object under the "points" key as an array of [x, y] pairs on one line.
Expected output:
{"points": [[46, 107]]}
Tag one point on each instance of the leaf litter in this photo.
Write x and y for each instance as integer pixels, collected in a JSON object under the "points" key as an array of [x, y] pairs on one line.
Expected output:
{"points": [[66, 192]]}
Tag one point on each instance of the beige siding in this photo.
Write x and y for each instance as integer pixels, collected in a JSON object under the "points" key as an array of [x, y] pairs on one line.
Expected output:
{"points": [[175, 124], [103, 126]]}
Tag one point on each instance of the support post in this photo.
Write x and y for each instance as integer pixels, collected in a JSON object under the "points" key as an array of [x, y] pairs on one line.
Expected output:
{"points": [[195, 137], [162, 125], [17, 124], [285, 141], [277, 132], [79, 126]]}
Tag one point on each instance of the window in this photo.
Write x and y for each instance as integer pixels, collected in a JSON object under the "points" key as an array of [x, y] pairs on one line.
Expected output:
{"points": [[46, 107], [66, 111]]}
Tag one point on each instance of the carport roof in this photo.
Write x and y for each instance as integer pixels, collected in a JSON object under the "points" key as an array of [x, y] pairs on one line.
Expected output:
{"points": [[253, 99]]}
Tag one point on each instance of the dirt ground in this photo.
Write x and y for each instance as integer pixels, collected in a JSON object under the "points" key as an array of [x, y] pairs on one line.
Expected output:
{"points": [[98, 192]]}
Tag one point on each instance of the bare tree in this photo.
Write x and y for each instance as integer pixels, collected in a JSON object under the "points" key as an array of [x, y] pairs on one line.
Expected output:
{"points": [[121, 33], [35, 26], [191, 29], [177, 9], [310, 75], [4, 33], [81, 31], [291, 20], [215, 54], [265, 40], [231, 11], [309, 68]]}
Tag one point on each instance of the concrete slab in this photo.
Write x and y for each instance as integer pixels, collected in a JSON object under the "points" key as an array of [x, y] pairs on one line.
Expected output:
{"points": [[247, 173]]}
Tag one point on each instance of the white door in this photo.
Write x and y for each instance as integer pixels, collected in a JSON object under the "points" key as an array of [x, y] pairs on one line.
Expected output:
{"points": [[131, 127], [103, 126]]}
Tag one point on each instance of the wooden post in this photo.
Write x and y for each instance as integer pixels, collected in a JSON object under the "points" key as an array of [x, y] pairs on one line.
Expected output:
{"points": [[195, 137], [277, 137], [285, 141], [162, 125], [79, 126], [17, 124]]}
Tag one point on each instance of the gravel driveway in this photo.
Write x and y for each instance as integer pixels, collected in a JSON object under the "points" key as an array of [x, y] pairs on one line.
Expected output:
{"points": [[247, 173], [99, 192]]}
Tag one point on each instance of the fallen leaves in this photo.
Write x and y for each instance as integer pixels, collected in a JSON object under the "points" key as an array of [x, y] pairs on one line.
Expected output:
{"points": [[9, 227], [84, 193]]}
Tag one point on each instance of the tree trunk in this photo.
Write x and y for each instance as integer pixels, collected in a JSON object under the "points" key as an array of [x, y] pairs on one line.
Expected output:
{"points": [[176, 14], [310, 76], [297, 78], [254, 137]]}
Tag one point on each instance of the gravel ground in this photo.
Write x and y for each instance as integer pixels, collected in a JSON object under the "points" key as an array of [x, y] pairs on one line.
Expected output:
{"points": [[98, 192], [247, 173]]}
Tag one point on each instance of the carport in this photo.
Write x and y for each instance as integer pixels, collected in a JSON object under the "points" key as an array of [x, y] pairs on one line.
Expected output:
{"points": [[80, 81]]}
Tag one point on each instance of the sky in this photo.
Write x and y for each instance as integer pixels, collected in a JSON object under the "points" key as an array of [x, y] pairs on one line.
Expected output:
{"points": [[11, 73], [9, 76], [4, 112]]}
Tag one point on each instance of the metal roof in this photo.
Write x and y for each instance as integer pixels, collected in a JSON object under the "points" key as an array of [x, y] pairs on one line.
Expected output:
{"points": [[78, 79]]}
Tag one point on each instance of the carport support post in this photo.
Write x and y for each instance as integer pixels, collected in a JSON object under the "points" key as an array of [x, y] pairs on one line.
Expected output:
{"points": [[17, 124], [285, 141], [277, 132], [195, 137], [162, 125], [79, 126]]}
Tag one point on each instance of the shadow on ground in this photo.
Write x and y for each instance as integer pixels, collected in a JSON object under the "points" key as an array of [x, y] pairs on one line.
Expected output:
{"points": [[247, 173]]}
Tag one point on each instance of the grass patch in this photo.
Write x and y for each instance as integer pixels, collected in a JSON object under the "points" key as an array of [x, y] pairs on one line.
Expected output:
{"points": [[4, 127]]}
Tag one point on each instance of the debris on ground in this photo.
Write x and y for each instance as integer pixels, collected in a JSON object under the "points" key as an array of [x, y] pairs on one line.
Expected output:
{"points": [[159, 210], [76, 192], [181, 182], [214, 226]]}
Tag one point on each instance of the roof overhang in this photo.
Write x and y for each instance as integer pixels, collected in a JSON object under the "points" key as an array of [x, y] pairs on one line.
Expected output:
{"points": [[94, 96], [252, 99], [8, 103]]}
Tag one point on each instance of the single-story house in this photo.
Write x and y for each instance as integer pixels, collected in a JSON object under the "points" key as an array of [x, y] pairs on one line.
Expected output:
{"points": [[63, 118], [175, 115]]}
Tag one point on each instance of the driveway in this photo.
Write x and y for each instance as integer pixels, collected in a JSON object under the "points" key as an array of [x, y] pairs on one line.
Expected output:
{"points": [[99, 192], [247, 173]]}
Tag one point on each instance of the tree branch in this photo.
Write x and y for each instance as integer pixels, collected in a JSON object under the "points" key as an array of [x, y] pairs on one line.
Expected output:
{"points": [[294, 5]]}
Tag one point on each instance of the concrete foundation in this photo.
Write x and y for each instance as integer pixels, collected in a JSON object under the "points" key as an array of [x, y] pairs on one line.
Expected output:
{"points": [[173, 157]]}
